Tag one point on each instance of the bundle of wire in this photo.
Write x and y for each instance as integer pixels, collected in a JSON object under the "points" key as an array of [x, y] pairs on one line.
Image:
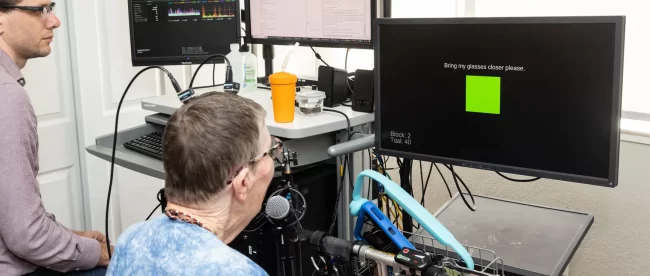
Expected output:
{"points": [[387, 205]]}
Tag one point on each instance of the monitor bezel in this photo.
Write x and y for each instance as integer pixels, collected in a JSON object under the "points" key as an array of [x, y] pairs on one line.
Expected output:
{"points": [[309, 42], [173, 60], [619, 21]]}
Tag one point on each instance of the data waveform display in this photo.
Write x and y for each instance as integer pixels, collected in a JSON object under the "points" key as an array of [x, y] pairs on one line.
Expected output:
{"points": [[183, 12], [223, 9], [206, 10]]}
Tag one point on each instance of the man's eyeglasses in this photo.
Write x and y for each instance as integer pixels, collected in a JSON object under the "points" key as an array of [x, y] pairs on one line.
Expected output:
{"points": [[44, 10], [275, 152]]}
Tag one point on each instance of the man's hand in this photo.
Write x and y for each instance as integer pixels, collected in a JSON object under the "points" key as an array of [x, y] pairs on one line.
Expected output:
{"points": [[103, 256], [96, 235]]}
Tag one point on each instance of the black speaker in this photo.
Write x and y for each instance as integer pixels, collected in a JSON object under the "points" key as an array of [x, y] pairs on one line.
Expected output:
{"points": [[363, 98], [334, 82]]}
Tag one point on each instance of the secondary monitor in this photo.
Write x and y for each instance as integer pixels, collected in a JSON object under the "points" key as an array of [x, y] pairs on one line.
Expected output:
{"points": [[321, 23], [167, 32], [531, 96]]}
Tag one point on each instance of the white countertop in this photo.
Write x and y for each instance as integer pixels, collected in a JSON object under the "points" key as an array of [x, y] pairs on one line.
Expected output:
{"points": [[302, 126]]}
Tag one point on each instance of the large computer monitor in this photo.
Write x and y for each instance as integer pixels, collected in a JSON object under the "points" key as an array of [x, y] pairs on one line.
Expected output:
{"points": [[320, 23], [168, 32], [532, 96]]}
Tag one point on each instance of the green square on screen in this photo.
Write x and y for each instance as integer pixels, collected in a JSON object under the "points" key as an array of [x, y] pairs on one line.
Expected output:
{"points": [[483, 94]]}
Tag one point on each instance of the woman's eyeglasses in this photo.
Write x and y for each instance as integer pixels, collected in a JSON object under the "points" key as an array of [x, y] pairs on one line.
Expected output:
{"points": [[44, 10], [275, 152]]}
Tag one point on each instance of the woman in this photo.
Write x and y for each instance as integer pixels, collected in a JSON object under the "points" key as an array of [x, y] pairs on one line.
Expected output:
{"points": [[219, 162]]}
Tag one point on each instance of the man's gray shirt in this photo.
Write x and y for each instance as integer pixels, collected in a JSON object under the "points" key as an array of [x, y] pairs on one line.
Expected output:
{"points": [[29, 236]]}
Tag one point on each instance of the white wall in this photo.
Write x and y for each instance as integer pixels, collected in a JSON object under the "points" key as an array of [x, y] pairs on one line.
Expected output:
{"points": [[618, 241], [637, 41]]}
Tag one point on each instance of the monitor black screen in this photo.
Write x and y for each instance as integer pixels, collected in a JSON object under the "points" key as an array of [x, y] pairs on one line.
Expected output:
{"points": [[181, 32], [536, 96]]}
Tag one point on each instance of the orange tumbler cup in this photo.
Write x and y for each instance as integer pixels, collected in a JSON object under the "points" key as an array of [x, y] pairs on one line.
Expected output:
{"points": [[283, 92]]}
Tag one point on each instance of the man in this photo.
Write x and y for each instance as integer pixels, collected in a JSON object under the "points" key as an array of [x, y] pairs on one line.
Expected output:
{"points": [[31, 240]]}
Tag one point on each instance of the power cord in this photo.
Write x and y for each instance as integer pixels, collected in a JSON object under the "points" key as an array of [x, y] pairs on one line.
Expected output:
{"points": [[518, 180], [382, 163], [152, 211], [338, 197], [370, 166], [456, 179], [228, 69], [399, 163], [346, 118], [208, 86], [229, 86], [411, 176], [443, 179], [214, 71], [319, 57], [421, 183], [264, 220], [177, 87], [347, 79], [426, 186], [345, 165], [406, 176], [162, 202]]}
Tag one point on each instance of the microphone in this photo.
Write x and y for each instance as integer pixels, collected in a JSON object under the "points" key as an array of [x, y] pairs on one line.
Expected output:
{"points": [[277, 207]]}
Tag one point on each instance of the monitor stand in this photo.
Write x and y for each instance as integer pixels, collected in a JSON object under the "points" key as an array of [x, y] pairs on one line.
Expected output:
{"points": [[405, 183], [268, 53]]}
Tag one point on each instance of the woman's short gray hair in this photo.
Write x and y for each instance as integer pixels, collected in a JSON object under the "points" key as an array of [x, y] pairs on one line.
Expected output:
{"points": [[204, 143]]}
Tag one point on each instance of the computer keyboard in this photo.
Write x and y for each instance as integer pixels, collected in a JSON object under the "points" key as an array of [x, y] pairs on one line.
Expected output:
{"points": [[150, 145]]}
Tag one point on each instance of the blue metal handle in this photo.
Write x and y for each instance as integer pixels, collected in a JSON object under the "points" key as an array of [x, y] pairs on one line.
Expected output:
{"points": [[370, 209], [413, 208]]}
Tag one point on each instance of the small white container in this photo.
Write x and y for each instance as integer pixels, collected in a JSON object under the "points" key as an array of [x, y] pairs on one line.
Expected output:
{"points": [[310, 102]]}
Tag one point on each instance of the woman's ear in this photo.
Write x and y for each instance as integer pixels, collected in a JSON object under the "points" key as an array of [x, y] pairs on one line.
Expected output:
{"points": [[241, 184]]}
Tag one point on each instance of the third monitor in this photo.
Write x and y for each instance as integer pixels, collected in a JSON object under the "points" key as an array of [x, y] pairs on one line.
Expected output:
{"points": [[318, 23], [533, 96]]}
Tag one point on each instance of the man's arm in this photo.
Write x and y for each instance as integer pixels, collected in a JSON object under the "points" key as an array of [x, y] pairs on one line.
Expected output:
{"points": [[24, 225]]}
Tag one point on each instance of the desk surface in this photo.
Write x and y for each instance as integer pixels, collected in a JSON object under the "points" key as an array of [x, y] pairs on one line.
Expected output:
{"points": [[302, 126]]}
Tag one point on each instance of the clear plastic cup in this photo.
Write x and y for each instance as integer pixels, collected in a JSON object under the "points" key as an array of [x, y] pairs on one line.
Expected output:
{"points": [[310, 102]]}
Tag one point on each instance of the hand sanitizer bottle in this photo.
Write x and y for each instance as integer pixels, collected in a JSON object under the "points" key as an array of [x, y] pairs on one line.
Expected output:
{"points": [[249, 69]]}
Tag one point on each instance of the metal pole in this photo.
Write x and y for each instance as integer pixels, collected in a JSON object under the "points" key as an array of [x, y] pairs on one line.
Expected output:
{"points": [[388, 10]]}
